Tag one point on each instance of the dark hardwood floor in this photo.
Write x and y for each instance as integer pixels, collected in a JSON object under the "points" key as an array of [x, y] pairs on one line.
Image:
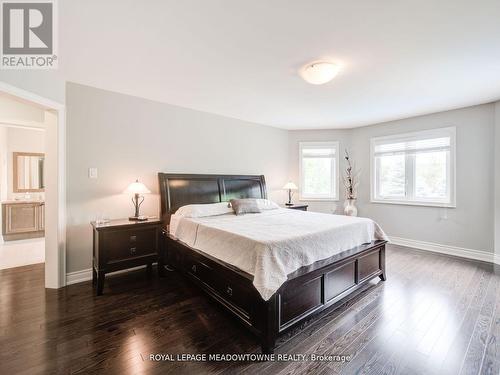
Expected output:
{"points": [[434, 315]]}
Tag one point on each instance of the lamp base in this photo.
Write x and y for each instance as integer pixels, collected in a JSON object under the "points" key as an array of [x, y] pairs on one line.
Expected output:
{"points": [[288, 204], [138, 218]]}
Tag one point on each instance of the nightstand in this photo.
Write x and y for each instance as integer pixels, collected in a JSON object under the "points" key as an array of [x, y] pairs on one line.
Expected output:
{"points": [[123, 244], [300, 207]]}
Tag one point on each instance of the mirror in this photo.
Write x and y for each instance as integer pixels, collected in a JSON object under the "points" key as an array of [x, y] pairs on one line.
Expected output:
{"points": [[28, 172]]}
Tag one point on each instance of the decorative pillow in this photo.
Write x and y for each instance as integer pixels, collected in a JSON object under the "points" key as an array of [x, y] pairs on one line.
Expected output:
{"points": [[245, 206], [203, 210]]}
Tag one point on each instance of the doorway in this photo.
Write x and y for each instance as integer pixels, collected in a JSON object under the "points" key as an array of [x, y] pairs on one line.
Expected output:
{"points": [[22, 185], [37, 196]]}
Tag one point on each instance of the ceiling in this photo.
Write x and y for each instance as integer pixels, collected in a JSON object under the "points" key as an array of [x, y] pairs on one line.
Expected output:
{"points": [[240, 58]]}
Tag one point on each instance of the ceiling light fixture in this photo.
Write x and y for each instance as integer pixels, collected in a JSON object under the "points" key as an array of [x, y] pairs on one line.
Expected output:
{"points": [[320, 72]]}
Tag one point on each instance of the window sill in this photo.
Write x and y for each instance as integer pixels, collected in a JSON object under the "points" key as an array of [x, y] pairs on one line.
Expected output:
{"points": [[423, 204], [318, 199]]}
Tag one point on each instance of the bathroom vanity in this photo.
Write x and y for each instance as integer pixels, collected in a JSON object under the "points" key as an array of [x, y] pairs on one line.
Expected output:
{"points": [[23, 219]]}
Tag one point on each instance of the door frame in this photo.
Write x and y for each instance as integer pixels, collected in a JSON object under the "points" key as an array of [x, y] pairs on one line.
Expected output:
{"points": [[55, 193]]}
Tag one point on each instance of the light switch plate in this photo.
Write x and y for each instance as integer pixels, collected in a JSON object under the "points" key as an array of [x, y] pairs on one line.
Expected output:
{"points": [[92, 172]]}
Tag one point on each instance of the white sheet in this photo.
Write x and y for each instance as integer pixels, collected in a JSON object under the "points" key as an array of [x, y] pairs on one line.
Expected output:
{"points": [[270, 245]]}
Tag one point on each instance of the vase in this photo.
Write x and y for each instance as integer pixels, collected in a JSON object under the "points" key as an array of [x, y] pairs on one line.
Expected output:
{"points": [[350, 208]]}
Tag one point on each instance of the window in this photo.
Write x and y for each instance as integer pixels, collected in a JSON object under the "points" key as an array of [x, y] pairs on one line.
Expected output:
{"points": [[416, 168], [319, 166]]}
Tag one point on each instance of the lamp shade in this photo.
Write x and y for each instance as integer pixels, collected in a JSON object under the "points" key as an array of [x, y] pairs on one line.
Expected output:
{"points": [[137, 188], [290, 185]]}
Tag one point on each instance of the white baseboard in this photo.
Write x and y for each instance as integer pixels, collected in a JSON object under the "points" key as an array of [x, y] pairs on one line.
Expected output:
{"points": [[78, 276], [448, 250], [86, 275]]}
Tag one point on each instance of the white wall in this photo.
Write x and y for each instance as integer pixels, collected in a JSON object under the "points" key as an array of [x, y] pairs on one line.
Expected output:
{"points": [[14, 111], [22, 140], [4, 184], [55, 260], [127, 138], [497, 181], [470, 225]]}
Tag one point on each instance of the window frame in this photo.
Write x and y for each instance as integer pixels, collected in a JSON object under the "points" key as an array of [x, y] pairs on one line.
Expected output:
{"points": [[336, 165], [410, 174]]}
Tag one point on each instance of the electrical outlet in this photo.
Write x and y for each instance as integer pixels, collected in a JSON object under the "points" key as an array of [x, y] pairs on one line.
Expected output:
{"points": [[92, 172]]}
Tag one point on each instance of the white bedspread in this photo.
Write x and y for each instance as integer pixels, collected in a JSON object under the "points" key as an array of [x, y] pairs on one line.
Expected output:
{"points": [[270, 245]]}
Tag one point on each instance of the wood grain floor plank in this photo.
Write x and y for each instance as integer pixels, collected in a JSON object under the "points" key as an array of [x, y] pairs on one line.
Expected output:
{"points": [[379, 356], [365, 359], [456, 354], [477, 344], [328, 343]]}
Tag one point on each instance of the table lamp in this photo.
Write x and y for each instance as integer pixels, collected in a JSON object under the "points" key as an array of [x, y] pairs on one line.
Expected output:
{"points": [[290, 186], [137, 188]]}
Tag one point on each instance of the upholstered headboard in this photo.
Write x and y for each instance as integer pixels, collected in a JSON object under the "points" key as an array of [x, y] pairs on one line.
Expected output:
{"points": [[178, 190]]}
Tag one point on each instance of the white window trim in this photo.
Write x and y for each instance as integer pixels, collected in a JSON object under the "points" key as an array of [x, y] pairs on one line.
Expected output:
{"points": [[334, 144], [425, 133]]}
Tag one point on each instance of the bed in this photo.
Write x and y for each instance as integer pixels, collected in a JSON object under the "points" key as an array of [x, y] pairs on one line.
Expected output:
{"points": [[288, 265]]}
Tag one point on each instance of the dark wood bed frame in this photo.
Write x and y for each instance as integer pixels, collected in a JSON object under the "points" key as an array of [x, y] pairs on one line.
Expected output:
{"points": [[308, 291]]}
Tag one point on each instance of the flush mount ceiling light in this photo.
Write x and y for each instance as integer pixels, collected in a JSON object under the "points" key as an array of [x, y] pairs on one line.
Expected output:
{"points": [[320, 72]]}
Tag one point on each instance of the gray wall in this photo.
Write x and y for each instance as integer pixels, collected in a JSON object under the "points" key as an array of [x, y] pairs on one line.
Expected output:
{"points": [[296, 136], [470, 225], [127, 138]]}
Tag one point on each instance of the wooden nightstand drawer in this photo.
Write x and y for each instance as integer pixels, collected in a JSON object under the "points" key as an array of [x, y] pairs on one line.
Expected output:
{"points": [[125, 244], [122, 244]]}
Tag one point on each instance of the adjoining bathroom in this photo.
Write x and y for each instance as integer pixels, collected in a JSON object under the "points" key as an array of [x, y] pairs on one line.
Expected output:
{"points": [[22, 182]]}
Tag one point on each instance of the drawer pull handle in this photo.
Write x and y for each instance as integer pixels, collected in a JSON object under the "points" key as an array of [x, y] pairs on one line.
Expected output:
{"points": [[133, 250], [229, 291], [194, 268], [133, 238]]}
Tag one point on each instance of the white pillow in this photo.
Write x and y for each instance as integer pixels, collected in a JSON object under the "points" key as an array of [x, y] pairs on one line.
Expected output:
{"points": [[202, 210], [266, 204]]}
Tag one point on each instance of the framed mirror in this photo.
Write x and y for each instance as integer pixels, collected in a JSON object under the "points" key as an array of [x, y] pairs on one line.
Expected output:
{"points": [[28, 171]]}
